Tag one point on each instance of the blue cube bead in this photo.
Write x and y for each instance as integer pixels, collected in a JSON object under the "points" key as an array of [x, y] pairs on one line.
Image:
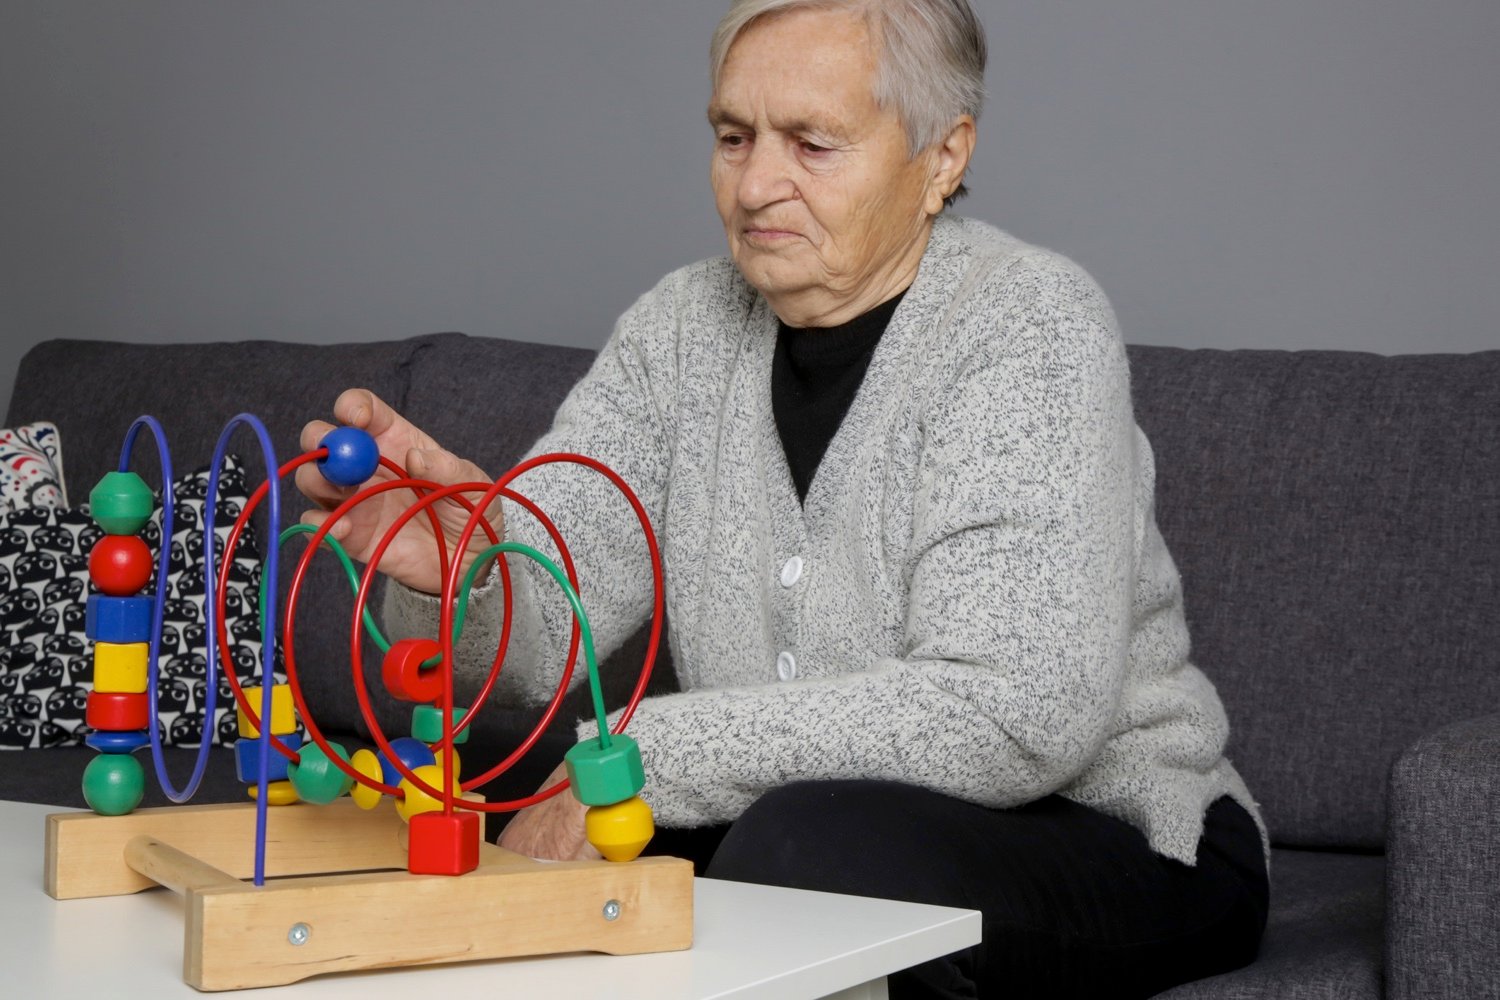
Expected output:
{"points": [[118, 619], [247, 759]]}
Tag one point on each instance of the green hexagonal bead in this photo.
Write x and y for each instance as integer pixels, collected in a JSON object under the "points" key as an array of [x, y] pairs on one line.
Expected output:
{"points": [[121, 503], [316, 778], [113, 784], [602, 777], [427, 724]]}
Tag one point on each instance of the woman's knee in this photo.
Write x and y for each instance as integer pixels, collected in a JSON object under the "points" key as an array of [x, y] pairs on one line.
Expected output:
{"points": [[835, 836]]}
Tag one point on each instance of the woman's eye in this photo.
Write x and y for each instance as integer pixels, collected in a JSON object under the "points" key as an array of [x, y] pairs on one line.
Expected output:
{"points": [[814, 148]]}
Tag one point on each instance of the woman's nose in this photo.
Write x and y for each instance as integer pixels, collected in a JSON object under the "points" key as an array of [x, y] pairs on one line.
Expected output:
{"points": [[766, 178]]}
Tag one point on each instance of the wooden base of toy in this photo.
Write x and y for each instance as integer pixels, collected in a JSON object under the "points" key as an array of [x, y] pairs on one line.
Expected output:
{"points": [[240, 936]]}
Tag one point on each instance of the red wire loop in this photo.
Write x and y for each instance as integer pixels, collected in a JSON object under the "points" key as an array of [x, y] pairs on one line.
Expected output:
{"points": [[428, 495]]}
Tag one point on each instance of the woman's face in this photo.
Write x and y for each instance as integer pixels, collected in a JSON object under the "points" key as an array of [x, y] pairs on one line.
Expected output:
{"points": [[825, 213]]}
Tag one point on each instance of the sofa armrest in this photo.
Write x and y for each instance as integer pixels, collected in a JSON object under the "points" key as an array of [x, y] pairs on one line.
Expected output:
{"points": [[1443, 865]]}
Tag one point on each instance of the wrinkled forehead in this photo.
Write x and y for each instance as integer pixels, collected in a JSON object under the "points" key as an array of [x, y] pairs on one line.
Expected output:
{"points": [[807, 67]]}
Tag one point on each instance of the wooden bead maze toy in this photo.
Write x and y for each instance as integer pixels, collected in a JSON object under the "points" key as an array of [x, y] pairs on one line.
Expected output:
{"points": [[314, 811]]}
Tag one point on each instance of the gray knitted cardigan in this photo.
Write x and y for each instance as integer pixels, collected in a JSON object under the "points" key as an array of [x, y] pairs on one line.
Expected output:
{"points": [[974, 596]]}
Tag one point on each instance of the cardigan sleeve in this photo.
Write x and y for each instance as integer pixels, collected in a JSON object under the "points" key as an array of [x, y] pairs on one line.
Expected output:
{"points": [[1019, 590], [619, 413]]}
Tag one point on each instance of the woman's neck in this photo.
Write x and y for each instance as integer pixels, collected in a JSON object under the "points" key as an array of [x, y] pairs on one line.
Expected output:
{"points": [[823, 306]]}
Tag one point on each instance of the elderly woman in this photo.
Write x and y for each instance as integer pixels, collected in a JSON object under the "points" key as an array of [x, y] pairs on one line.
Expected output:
{"points": [[930, 642]]}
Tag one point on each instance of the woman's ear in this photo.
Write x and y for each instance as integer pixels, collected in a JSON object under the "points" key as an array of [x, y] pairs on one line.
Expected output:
{"points": [[949, 163]]}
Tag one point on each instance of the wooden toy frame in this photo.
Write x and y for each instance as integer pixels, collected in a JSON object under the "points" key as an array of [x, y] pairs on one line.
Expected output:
{"points": [[238, 936]]}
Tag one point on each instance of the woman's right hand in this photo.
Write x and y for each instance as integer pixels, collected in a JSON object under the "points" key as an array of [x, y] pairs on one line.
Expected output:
{"points": [[412, 557]]}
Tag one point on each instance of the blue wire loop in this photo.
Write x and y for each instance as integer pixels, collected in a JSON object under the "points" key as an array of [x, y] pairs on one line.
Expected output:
{"points": [[268, 616], [157, 612]]}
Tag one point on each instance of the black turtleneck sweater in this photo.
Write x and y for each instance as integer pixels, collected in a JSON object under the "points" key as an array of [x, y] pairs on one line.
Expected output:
{"points": [[815, 373]]}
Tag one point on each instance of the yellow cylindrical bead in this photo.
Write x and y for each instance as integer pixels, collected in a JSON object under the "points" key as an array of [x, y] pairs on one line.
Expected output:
{"points": [[278, 793], [367, 764], [283, 712], [120, 667], [620, 832], [415, 801]]}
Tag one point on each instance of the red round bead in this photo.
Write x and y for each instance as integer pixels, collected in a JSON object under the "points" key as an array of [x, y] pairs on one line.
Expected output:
{"points": [[120, 565], [404, 676], [112, 712]]}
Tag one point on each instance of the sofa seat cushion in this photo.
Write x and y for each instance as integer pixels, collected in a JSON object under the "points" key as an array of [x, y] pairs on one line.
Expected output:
{"points": [[1324, 935]]}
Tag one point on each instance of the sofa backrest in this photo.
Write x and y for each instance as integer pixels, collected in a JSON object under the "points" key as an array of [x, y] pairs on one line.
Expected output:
{"points": [[1335, 517], [1336, 520]]}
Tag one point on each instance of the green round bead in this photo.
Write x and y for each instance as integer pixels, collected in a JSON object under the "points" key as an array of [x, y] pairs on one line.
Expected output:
{"points": [[113, 784], [122, 503], [603, 777], [316, 778], [427, 724]]}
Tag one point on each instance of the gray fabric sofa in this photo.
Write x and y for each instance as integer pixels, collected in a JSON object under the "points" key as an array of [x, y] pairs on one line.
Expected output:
{"points": [[1335, 517]]}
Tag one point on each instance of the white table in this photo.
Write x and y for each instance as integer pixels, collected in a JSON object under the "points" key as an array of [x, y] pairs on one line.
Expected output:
{"points": [[750, 942]]}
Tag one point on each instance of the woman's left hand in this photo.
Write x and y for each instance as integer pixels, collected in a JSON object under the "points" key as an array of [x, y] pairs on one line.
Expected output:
{"points": [[550, 830]]}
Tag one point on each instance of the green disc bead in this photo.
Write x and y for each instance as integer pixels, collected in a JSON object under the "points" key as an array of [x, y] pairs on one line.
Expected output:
{"points": [[603, 777], [113, 784], [316, 778], [427, 724], [121, 503]]}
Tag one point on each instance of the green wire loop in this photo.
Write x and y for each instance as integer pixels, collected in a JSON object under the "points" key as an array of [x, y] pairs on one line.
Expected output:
{"points": [[572, 596], [461, 608], [371, 629]]}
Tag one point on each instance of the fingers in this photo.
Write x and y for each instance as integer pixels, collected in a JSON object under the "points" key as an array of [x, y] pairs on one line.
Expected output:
{"points": [[313, 432], [317, 518], [443, 467], [319, 490], [360, 408]]}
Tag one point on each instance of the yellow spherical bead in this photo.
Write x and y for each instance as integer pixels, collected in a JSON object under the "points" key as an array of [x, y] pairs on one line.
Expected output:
{"points": [[621, 831], [415, 801], [438, 753], [278, 793], [367, 764]]}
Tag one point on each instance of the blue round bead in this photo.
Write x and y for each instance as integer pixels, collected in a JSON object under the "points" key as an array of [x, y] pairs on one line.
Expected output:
{"points": [[106, 742], [353, 456], [413, 753]]}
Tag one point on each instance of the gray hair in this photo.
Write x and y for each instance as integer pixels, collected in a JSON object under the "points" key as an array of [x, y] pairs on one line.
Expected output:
{"points": [[931, 61]]}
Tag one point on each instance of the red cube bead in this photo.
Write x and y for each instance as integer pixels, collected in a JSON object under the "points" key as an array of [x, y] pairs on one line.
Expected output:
{"points": [[405, 677], [116, 712], [120, 565], [443, 844]]}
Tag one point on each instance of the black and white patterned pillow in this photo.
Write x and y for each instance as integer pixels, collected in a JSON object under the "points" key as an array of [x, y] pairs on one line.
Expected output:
{"points": [[46, 663]]}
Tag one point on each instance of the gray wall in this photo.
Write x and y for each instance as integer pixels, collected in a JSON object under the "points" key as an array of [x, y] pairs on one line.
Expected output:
{"points": [[1280, 173]]}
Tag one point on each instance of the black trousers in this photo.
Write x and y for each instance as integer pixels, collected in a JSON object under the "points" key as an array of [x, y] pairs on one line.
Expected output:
{"points": [[1075, 903]]}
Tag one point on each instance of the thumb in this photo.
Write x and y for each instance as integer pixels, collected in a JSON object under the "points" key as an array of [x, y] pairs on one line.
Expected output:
{"points": [[443, 467]]}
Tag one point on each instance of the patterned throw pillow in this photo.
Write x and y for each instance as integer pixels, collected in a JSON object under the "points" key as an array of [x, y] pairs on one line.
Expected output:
{"points": [[46, 663], [31, 473]]}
